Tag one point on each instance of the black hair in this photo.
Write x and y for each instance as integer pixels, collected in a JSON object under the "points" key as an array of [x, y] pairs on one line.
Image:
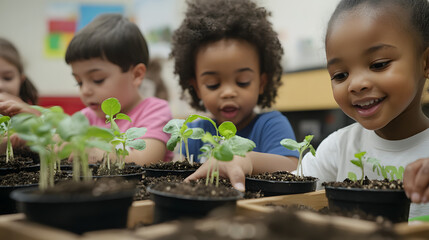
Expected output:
{"points": [[417, 10], [111, 37], [27, 91], [208, 21]]}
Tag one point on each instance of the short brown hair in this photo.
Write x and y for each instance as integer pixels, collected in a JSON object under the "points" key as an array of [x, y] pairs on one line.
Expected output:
{"points": [[111, 37]]}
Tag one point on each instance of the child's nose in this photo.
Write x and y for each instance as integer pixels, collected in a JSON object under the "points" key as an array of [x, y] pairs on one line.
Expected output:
{"points": [[359, 84], [228, 91], [86, 89]]}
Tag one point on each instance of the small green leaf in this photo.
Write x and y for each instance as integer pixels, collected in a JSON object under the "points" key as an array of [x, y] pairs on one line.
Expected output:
{"points": [[111, 106], [105, 146], [312, 150], [352, 176], [188, 133], [101, 133], [123, 116], [174, 126], [133, 133], [356, 162], [172, 142], [289, 144], [223, 153], [359, 155], [240, 146], [227, 129], [197, 133], [138, 144]]}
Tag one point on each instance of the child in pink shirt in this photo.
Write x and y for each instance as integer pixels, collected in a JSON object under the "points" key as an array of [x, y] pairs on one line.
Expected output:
{"points": [[108, 58]]}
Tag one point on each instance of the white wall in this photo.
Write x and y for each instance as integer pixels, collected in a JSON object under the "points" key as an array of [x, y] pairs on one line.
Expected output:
{"points": [[24, 22]]}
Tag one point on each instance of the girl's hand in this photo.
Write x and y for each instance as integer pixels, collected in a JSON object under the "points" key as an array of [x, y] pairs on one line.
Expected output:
{"points": [[235, 171], [416, 181], [11, 105]]}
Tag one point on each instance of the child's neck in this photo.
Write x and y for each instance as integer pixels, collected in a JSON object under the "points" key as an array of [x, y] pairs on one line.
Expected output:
{"points": [[399, 129]]}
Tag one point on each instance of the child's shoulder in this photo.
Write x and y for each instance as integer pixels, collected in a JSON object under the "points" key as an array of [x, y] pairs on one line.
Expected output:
{"points": [[151, 104]]}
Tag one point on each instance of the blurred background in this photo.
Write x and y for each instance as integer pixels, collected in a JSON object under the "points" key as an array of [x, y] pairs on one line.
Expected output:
{"points": [[42, 29]]}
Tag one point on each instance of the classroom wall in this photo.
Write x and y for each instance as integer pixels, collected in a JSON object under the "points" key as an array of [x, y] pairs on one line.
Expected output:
{"points": [[24, 23]]}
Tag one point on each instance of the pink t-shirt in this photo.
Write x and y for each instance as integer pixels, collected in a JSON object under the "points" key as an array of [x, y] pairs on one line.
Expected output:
{"points": [[151, 113]]}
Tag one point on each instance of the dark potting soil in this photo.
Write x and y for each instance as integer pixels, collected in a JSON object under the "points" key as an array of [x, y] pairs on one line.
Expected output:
{"points": [[25, 178], [281, 176], [176, 165], [280, 225], [23, 157], [103, 186], [129, 168], [368, 184], [142, 193], [195, 188]]}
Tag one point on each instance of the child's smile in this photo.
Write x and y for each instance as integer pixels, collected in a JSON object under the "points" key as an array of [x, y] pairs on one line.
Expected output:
{"points": [[376, 74], [228, 80]]}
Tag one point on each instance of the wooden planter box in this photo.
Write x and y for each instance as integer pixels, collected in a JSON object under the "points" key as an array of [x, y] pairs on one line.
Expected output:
{"points": [[15, 226]]}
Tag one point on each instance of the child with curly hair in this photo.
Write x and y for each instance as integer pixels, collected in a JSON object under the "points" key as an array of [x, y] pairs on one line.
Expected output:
{"points": [[227, 56], [108, 58]]}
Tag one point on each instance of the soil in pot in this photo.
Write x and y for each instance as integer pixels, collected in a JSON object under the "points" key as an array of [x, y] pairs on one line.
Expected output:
{"points": [[130, 171], [143, 194], [24, 159], [178, 168], [375, 197], [19, 180], [280, 183], [79, 206], [190, 200]]}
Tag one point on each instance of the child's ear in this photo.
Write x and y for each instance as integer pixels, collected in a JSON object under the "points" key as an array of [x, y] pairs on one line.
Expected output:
{"points": [[262, 83], [194, 84], [139, 71]]}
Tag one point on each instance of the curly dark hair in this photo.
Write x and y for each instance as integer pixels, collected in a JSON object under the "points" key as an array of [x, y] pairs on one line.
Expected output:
{"points": [[209, 21]]}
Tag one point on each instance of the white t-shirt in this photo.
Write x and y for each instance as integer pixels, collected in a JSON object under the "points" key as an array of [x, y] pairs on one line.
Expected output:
{"points": [[332, 161]]}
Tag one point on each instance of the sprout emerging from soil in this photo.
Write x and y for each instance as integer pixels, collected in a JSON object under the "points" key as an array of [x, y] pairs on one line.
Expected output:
{"points": [[6, 131], [301, 148], [385, 171], [121, 141], [223, 147], [181, 133]]}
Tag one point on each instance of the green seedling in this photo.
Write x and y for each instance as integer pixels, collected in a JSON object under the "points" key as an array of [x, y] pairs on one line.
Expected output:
{"points": [[180, 133], [79, 137], [6, 131], [122, 141], [39, 132], [385, 171], [224, 147], [301, 147]]}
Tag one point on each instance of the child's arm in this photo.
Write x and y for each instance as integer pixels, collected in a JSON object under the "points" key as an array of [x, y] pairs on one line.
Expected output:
{"points": [[11, 105], [416, 180], [253, 163]]}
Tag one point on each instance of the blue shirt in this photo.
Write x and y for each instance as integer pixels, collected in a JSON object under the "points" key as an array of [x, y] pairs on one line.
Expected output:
{"points": [[266, 130]]}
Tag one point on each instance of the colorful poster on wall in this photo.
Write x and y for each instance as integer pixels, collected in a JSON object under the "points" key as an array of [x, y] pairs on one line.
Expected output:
{"points": [[64, 19]]}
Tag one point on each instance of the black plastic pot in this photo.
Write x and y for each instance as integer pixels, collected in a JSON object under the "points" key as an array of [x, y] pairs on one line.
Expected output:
{"points": [[30, 168], [7, 204], [77, 213], [171, 206], [131, 176], [275, 188], [391, 204], [151, 172]]}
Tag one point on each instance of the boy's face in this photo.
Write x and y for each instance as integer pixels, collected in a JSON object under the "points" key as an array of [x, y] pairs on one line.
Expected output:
{"points": [[100, 79], [228, 80], [10, 78], [377, 77]]}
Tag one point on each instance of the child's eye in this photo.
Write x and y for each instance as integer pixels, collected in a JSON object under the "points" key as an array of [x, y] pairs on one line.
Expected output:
{"points": [[243, 84], [79, 84], [213, 87], [340, 76], [379, 65], [99, 81]]}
